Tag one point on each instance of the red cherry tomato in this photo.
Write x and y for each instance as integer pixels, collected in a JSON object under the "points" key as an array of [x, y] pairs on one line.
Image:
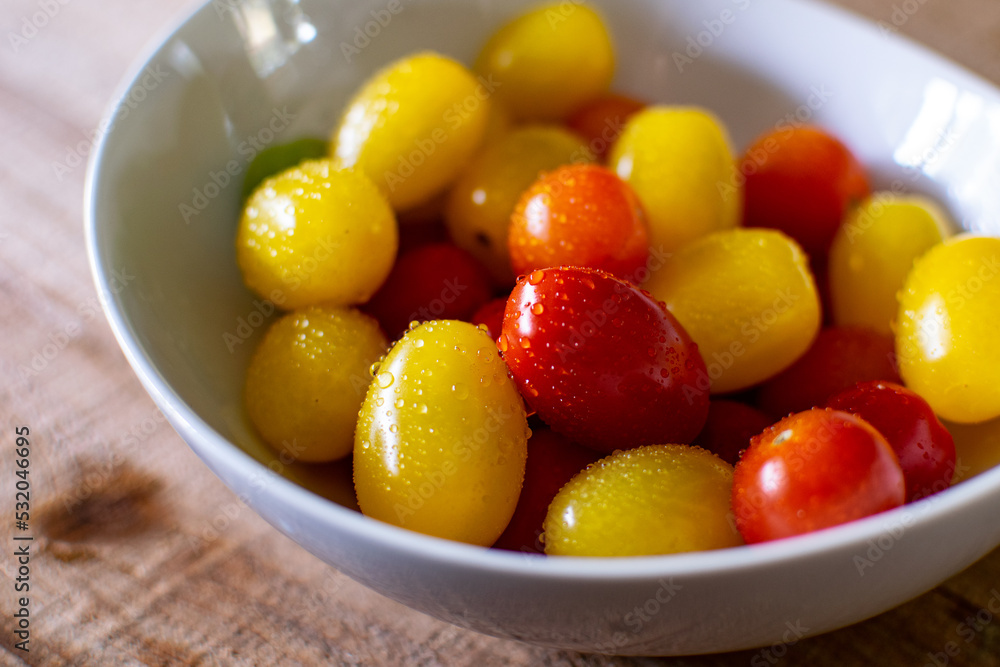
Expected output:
{"points": [[431, 282], [491, 314], [416, 234], [579, 215], [553, 460], [729, 427], [802, 181], [602, 121], [601, 361], [925, 449], [813, 470], [838, 359]]}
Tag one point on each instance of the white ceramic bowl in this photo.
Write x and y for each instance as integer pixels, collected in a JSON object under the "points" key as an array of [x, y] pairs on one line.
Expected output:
{"points": [[237, 72]]}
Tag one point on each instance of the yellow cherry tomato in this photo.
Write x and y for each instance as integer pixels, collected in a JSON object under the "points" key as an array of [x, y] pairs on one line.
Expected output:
{"points": [[307, 378], [413, 126], [549, 62], [442, 436], [874, 251], [747, 298], [483, 199], [657, 499], [680, 164], [315, 234], [948, 337]]}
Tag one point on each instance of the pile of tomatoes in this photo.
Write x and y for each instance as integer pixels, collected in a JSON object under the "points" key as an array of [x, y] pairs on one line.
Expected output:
{"points": [[700, 349]]}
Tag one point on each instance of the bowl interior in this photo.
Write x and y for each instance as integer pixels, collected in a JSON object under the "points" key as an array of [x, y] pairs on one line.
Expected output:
{"points": [[164, 195]]}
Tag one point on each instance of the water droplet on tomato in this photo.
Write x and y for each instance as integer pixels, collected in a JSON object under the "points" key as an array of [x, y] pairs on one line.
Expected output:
{"points": [[536, 277], [538, 309], [385, 379]]}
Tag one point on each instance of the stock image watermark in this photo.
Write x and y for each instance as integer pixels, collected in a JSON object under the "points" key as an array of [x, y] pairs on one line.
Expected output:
{"points": [[758, 156], [60, 338], [369, 31], [697, 44], [228, 512], [640, 616], [462, 452], [35, 22], [967, 630], [901, 15], [752, 330], [878, 547], [216, 182], [423, 148], [21, 490], [76, 154]]}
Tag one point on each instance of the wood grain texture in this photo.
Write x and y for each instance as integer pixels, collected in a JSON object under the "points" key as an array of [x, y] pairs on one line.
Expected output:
{"points": [[142, 556]]}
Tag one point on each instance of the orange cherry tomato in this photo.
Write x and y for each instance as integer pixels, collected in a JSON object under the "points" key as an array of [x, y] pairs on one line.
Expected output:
{"points": [[579, 215]]}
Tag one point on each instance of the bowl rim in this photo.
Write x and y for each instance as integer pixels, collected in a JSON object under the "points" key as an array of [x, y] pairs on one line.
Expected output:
{"points": [[736, 560]]}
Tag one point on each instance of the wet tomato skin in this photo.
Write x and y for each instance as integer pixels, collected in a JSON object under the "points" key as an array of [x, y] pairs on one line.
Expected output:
{"points": [[601, 361], [729, 427], [553, 460], [579, 215], [813, 470], [925, 449]]}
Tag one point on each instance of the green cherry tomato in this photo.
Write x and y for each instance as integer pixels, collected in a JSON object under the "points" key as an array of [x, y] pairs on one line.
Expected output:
{"points": [[276, 159]]}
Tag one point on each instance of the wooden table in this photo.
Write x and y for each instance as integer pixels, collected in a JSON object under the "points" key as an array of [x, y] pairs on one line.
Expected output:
{"points": [[142, 556]]}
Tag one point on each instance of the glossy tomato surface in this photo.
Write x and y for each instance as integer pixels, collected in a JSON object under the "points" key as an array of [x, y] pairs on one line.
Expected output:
{"points": [[579, 215], [814, 470], [925, 449], [601, 361]]}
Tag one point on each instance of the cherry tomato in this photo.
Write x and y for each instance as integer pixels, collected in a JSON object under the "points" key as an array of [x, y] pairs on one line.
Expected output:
{"points": [[553, 460], [925, 449], [729, 427], [813, 470], [482, 201], [307, 378], [680, 164], [840, 358], [491, 314], [802, 181], [602, 121], [658, 499], [438, 281], [413, 127], [441, 439], [946, 338], [874, 251], [315, 234], [549, 62], [579, 215], [601, 361], [748, 300]]}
